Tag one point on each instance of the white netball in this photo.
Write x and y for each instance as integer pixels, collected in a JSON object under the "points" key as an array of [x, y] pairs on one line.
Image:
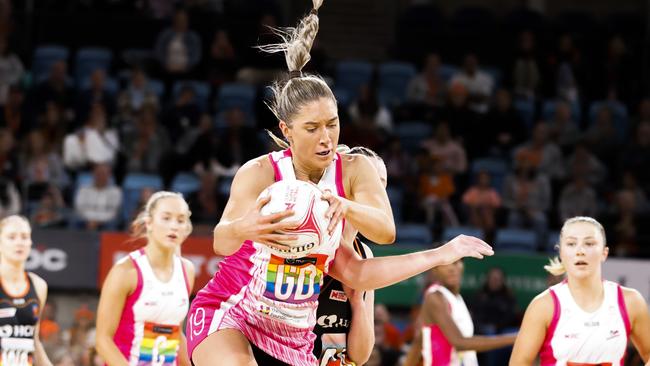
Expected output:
{"points": [[309, 210]]}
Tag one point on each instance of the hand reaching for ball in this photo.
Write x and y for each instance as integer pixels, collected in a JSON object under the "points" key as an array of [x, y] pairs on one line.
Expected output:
{"points": [[264, 228]]}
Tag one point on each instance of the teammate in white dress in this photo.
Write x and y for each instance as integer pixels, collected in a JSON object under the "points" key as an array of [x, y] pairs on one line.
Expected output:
{"points": [[583, 320], [145, 296]]}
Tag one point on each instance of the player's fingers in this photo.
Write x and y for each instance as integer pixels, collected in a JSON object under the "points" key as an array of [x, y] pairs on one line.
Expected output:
{"points": [[261, 202], [276, 216]]}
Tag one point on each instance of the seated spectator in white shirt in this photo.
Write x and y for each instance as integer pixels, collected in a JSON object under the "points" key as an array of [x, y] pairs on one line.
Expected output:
{"points": [[92, 144], [478, 83], [97, 205]]}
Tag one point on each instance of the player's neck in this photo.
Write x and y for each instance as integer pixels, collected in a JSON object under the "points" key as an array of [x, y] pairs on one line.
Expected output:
{"points": [[588, 292], [304, 173], [11, 271], [159, 257]]}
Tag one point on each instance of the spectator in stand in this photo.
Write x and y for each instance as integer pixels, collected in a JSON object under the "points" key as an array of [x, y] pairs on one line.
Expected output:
{"points": [[450, 153], [11, 70], [97, 205], [482, 202], [94, 143], [137, 94], [502, 128], [436, 186], [602, 137], [428, 87], [54, 126], [495, 306], [147, 145], [78, 334], [526, 74], [9, 198], [542, 155], [184, 113], [562, 129], [462, 120], [367, 110], [626, 226], [578, 198], [225, 151], [392, 338], [96, 93], [398, 162], [178, 49], [41, 166], [527, 196], [9, 167], [478, 83], [631, 184], [62, 357], [223, 63], [49, 210], [13, 115], [584, 161], [204, 203], [55, 88], [566, 64], [636, 157], [49, 330]]}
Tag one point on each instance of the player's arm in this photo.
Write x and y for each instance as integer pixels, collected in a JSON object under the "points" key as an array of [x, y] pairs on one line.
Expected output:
{"points": [[439, 311], [119, 284], [414, 354], [374, 273], [361, 338], [368, 208], [241, 219], [41, 291], [183, 357], [639, 321], [531, 336]]}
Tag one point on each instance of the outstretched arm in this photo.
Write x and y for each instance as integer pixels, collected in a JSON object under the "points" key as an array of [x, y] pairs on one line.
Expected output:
{"points": [[374, 273]]}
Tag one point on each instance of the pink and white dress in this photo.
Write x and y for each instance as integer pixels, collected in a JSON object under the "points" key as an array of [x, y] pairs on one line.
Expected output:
{"points": [[436, 349], [271, 300], [149, 331], [576, 337]]}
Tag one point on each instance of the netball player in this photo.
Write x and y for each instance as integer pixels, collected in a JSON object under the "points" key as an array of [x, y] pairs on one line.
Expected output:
{"points": [[584, 320], [22, 297], [447, 334], [145, 296]]}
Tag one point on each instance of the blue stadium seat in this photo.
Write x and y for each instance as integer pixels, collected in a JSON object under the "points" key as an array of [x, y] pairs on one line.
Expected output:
{"points": [[236, 95], [548, 110], [417, 234], [185, 183], [517, 240], [112, 86], [157, 87], [411, 134], [44, 57], [619, 115], [497, 168], [90, 59], [394, 78], [447, 72], [453, 231], [201, 90], [525, 108], [350, 75], [133, 184]]}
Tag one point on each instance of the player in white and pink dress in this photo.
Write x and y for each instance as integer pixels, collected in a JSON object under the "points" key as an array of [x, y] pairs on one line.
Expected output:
{"points": [[145, 297], [260, 308], [584, 320]]}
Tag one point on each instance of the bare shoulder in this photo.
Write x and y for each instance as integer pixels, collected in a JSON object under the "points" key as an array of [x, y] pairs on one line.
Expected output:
{"points": [[634, 301], [542, 307], [354, 161], [189, 267], [39, 285], [258, 171], [123, 275]]}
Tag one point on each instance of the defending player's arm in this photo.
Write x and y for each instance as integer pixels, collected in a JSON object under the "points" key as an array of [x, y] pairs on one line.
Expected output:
{"points": [[639, 321], [119, 284], [378, 272], [361, 338], [41, 292], [414, 354], [241, 219], [437, 309], [368, 208], [531, 336], [183, 358]]}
